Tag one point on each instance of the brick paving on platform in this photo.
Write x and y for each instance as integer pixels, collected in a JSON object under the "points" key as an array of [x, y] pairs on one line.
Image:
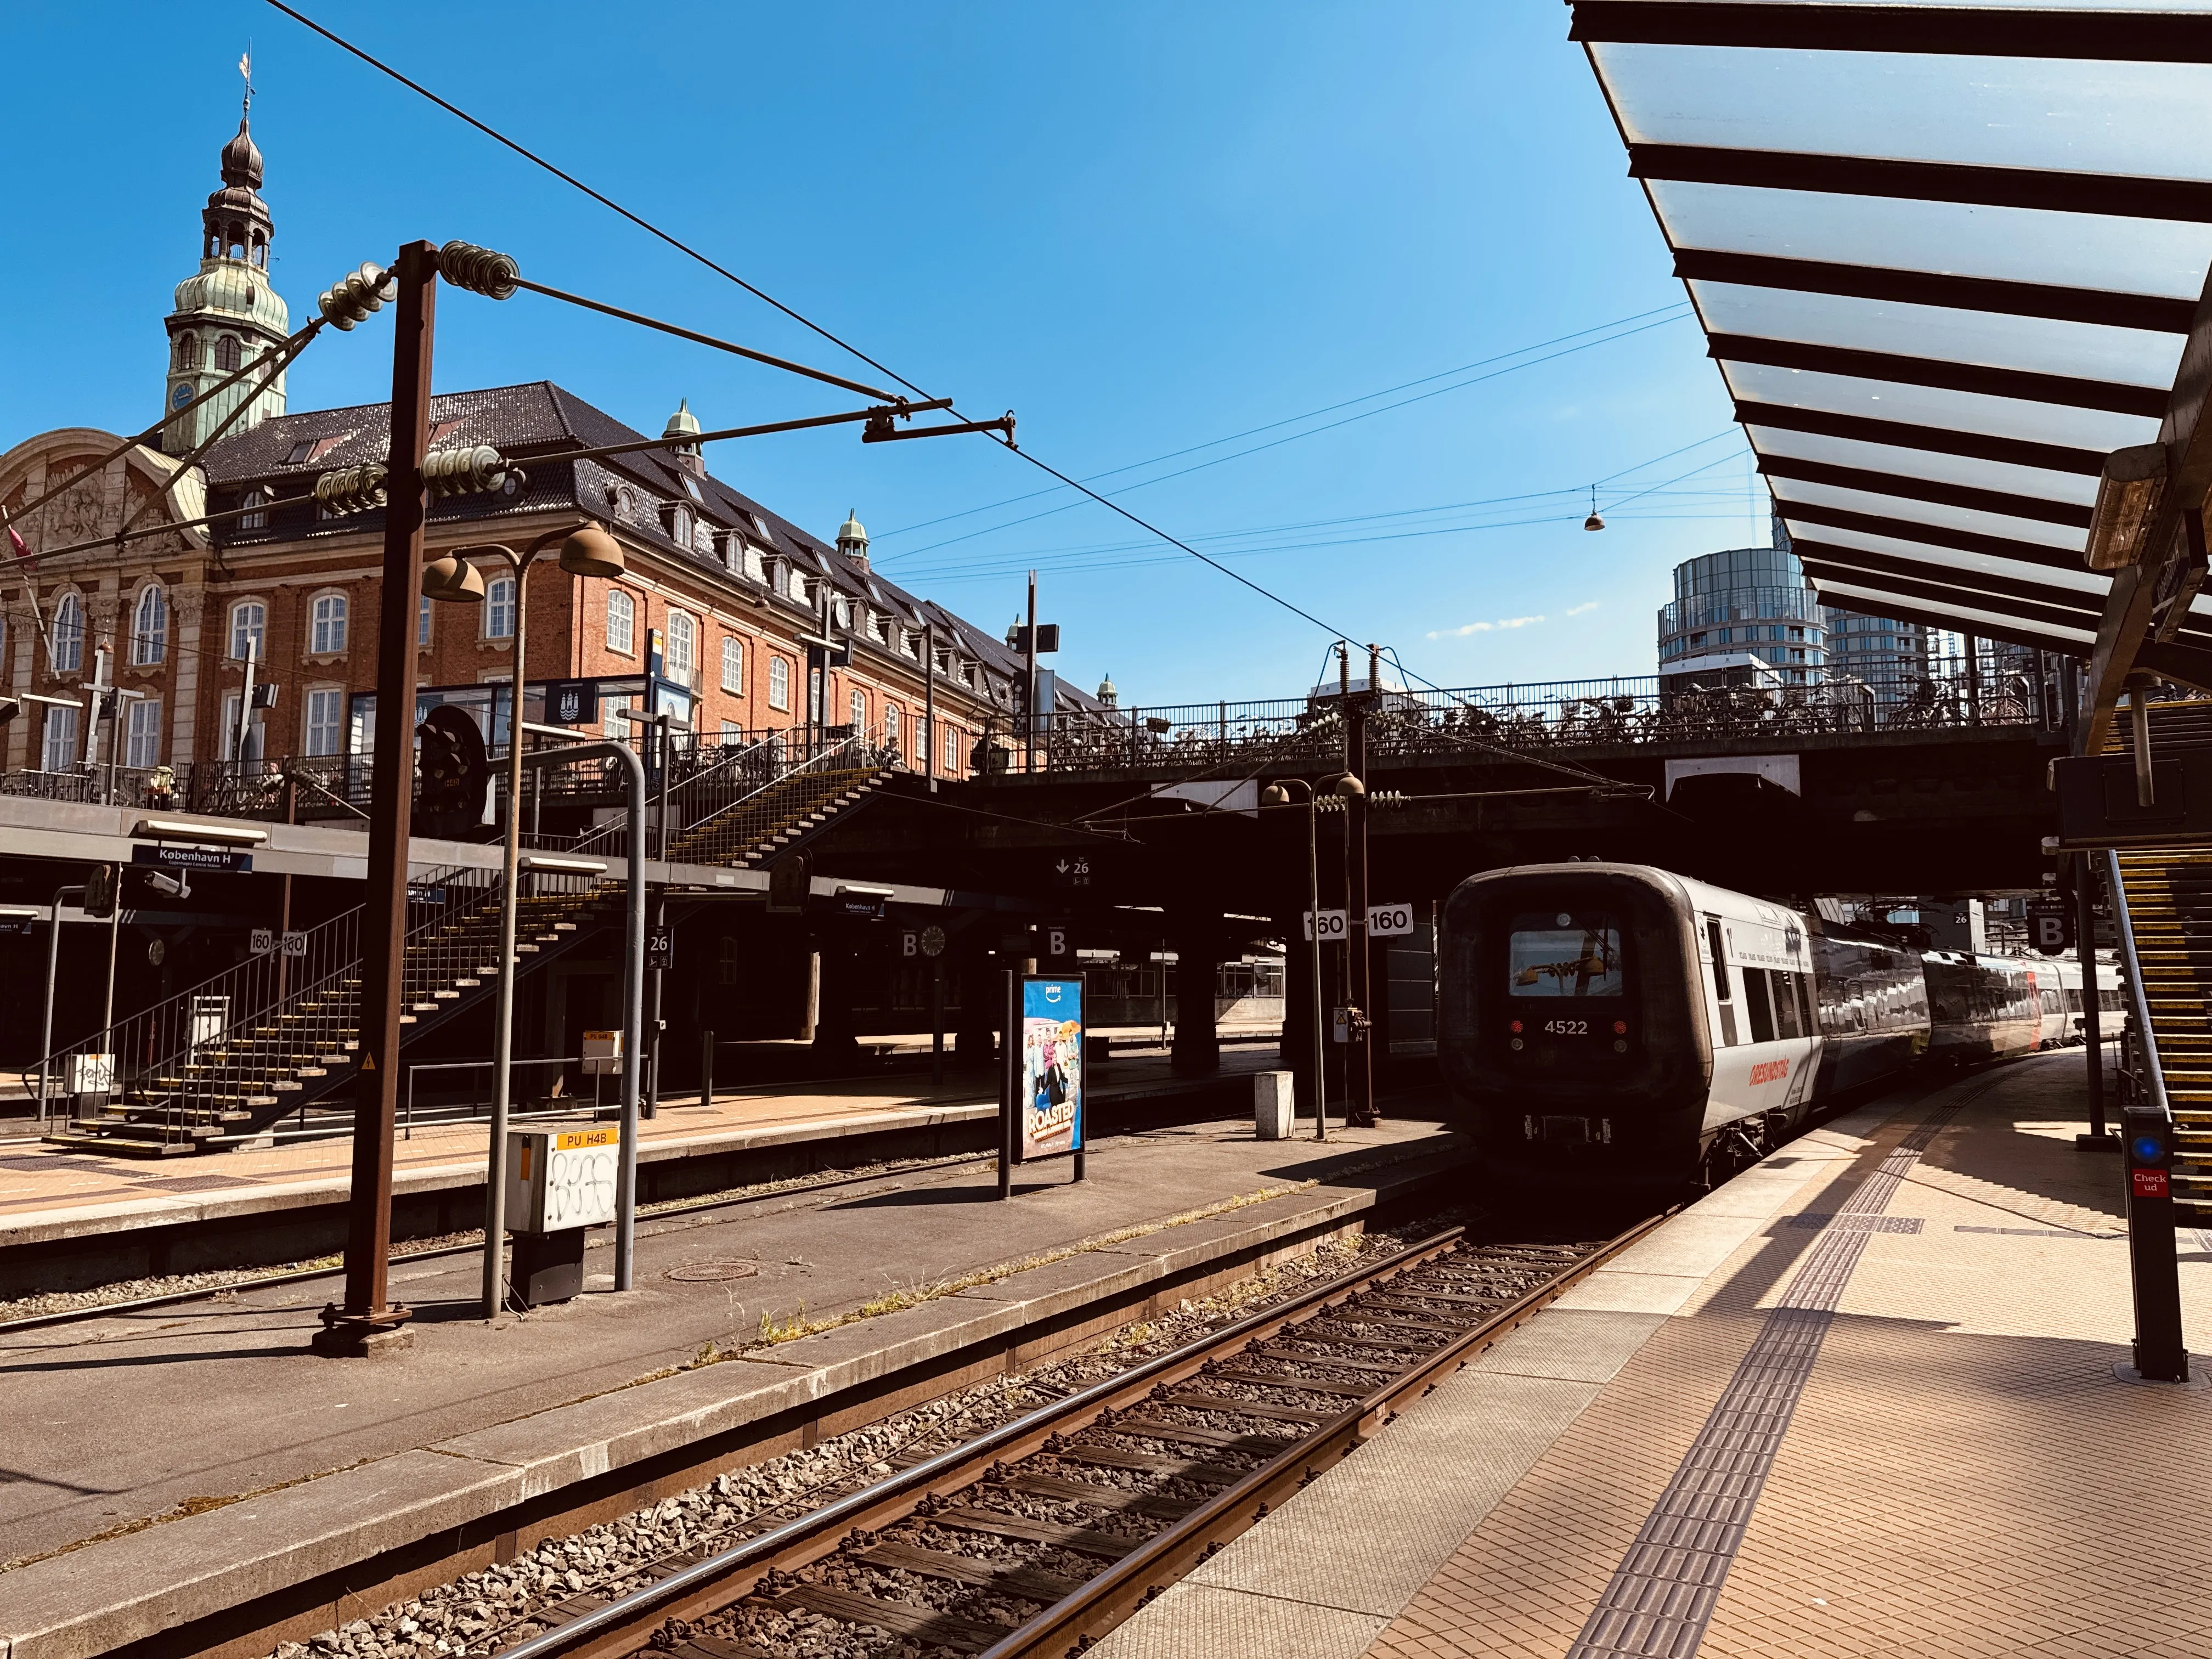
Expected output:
{"points": [[1962, 1475]]}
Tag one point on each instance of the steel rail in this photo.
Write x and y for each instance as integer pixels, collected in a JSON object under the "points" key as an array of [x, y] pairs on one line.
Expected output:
{"points": [[622, 1626]]}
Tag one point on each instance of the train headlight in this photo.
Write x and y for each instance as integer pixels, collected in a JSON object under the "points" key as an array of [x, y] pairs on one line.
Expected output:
{"points": [[1621, 1027], [1516, 1028]]}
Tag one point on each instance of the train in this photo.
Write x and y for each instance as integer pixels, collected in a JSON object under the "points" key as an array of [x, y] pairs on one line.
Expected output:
{"points": [[1625, 1025]]}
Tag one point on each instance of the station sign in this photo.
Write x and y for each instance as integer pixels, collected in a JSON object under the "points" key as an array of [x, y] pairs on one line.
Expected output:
{"points": [[2049, 925], [1383, 921], [603, 1055], [166, 857], [922, 941], [661, 947], [572, 702], [267, 941]]}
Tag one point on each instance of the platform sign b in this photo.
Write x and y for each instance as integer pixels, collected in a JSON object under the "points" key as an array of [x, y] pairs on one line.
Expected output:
{"points": [[2050, 927]]}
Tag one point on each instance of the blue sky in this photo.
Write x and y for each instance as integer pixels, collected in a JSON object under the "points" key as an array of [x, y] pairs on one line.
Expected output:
{"points": [[1144, 228]]}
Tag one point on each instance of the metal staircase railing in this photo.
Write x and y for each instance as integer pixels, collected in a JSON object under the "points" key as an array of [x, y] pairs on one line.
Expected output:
{"points": [[200, 1069], [799, 797], [2163, 908]]}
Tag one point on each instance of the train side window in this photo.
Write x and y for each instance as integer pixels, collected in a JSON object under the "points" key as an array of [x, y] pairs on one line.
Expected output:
{"points": [[1786, 1011], [1755, 1003], [1720, 956]]}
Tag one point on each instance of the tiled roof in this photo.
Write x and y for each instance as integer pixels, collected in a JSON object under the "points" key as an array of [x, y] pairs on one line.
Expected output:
{"points": [[523, 420]]}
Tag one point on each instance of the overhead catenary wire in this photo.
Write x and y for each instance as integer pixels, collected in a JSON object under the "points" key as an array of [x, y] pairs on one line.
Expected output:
{"points": [[1680, 308], [292, 346], [691, 253]]}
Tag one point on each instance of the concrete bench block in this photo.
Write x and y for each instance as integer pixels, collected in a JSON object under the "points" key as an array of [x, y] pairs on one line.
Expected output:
{"points": [[1274, 1105]]}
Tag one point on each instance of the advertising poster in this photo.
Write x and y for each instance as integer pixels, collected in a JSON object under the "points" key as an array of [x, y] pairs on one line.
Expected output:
{"points": [[1049, 1098]]}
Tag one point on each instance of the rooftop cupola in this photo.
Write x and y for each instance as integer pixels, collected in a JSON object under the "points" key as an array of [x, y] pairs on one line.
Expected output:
{"points": [[853, 538], [1109, 693], [682, 434], [227, 315]]}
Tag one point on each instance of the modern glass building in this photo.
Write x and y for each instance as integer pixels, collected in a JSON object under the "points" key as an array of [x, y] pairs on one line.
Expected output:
{"points": [[1879, 650], [1743, 617]]}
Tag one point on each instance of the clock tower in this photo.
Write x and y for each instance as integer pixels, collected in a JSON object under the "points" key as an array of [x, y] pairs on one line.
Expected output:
{"points": [[226, 314]]}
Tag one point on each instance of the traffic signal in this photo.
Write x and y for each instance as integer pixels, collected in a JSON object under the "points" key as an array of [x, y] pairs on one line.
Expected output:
{"points": [[101, 889]]}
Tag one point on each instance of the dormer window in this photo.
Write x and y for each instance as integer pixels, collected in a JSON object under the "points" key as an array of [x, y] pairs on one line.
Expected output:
{"points": [[256, 500], [676, 519]]}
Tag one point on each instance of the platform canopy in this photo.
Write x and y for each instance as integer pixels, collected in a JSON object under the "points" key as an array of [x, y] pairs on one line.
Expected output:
{"points": [[1950, 259]]}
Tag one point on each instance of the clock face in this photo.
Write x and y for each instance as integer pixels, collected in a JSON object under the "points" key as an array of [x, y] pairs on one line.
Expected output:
{"points": [[181, 395]]}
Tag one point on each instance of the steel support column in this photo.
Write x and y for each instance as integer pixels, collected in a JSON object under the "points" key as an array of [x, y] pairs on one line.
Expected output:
{"points": [[368, 1318]]}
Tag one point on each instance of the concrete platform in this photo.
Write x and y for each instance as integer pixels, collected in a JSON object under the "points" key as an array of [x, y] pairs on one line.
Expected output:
{"points": [[1859, 1401], [69, 1219], [165, 1466]]}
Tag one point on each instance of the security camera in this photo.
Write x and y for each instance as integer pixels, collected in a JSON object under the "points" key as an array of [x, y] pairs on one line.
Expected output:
{"points": [[174, 886]]}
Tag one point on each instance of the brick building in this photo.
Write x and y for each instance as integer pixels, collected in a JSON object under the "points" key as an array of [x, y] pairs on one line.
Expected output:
{"points": [[710, 622]]}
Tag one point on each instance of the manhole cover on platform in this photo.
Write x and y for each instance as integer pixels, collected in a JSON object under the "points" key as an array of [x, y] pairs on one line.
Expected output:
{"points": [[712, 1271]]}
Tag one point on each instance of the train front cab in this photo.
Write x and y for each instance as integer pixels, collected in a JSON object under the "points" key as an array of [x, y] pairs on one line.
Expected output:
{"points": [[1572, 1027]]}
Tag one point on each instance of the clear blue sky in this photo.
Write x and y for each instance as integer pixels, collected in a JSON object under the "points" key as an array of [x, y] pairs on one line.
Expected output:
{"points": [[1142, 227]]}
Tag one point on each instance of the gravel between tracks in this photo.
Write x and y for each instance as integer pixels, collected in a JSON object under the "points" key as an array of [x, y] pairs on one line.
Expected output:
{"points": [[489, 1609]]}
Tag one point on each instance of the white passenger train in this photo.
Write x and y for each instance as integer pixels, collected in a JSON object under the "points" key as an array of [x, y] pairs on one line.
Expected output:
{"points": [[1634, 1025]]}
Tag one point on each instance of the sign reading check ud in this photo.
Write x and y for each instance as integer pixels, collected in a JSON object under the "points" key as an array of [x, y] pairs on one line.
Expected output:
{"points": [[1048, 1076]]}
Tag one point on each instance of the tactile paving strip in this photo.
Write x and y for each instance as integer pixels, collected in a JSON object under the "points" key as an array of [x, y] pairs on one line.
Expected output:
{"points": [[1661, 1596]]}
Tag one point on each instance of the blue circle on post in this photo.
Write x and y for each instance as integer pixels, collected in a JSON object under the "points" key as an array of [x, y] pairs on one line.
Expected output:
{"points": [[2148, 1149]]}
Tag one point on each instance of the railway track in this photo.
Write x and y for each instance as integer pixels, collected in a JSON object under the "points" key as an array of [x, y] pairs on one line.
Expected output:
{"points": [[1040, 1534]]}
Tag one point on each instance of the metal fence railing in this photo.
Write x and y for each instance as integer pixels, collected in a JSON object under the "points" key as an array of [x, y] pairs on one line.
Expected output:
{"points": [[1559, 714]]}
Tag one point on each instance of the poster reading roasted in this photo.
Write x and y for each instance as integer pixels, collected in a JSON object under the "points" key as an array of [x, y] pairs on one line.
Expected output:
{"points": [[1049, 1101]]}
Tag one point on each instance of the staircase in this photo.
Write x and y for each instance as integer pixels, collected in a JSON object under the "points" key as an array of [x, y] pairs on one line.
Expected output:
{"points": [[758, 826], [2167, 893], [205, 1078], [228, 1059]]}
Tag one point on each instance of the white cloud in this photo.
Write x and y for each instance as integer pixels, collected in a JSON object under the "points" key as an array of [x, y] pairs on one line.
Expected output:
{"points": [[1578, 610], [1482, 628]]}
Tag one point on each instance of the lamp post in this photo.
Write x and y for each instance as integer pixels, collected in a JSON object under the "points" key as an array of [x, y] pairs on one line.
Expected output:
{"points": [[1278, 794], [587, 550]]}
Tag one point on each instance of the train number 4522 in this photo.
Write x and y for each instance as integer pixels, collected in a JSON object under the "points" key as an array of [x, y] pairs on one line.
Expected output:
{"points": [[1567, 1027]]}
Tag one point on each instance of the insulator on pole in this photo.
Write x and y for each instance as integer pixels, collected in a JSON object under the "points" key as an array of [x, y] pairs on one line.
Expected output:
{"points": [[479, 270], [469, 469], [352, 489], [351, 299]]}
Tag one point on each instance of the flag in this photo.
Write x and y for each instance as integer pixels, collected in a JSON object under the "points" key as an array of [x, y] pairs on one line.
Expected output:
{"points": [[245, 65], [19, 548]]}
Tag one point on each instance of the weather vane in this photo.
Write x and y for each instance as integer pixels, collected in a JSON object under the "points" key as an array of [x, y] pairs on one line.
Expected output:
{"points": [[246, 74]]}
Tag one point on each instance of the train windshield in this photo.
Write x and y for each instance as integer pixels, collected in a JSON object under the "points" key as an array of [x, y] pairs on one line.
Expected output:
{"points": [[1563, 954]]}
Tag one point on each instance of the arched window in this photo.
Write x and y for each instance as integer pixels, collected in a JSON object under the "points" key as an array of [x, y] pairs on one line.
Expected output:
{"points": [[733, 665], [67, 653], [226, 352], [622, 623], [682, 648], [779, 683], [891, 730], [149, 626], [499, 608], [326, 634], [188, 351], [249, 630], [859, 704]]}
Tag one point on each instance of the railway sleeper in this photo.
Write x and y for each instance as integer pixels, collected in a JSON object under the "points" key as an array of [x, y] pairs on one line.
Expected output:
{"points": [[908, 1619], [1023, 1581]]}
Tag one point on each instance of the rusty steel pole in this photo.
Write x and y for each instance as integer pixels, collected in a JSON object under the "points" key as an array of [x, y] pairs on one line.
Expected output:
{"points": [[367, 1319]]}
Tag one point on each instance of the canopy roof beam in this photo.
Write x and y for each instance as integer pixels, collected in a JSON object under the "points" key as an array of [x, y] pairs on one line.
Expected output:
{"points": [[2154, 312], [2026, 385], [2142, 37], [2112, 195], [1930, 535], [1926, 490], [1902, 434]]}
